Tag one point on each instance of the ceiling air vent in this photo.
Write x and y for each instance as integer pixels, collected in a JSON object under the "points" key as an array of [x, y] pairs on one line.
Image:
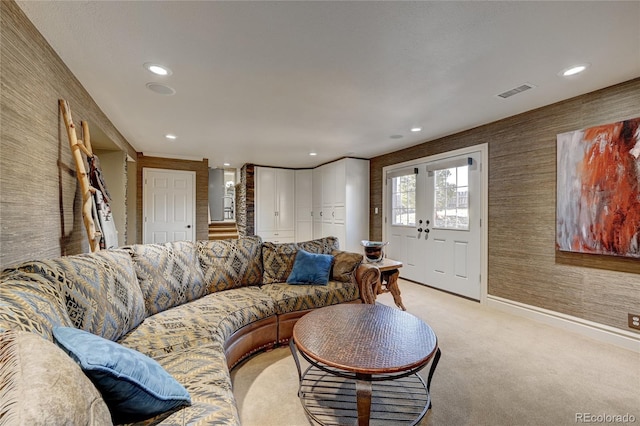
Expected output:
{"points": [[519, 89]]}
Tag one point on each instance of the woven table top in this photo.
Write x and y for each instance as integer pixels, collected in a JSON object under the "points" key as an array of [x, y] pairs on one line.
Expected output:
{"points": [[365, 339]]}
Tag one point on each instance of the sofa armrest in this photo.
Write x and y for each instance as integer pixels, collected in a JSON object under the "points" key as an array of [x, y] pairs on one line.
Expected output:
{"points": [[367, 277]]}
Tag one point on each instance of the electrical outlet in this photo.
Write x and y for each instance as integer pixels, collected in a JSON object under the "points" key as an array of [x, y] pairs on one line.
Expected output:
{"points": [[634, 321]]}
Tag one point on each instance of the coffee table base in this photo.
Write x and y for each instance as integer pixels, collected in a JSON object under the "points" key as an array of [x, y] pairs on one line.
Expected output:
{"points": [[332, 400]]}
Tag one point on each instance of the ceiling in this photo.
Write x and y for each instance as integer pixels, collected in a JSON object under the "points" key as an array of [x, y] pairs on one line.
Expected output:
{"points": [[269, 82]]}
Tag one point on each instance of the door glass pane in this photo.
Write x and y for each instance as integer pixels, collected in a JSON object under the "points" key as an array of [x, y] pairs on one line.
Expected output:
{"points": [[452, 198], [403, 200]]}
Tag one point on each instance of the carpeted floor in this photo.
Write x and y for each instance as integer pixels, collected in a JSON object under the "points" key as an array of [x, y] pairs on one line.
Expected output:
{"points": [[496, 369]]}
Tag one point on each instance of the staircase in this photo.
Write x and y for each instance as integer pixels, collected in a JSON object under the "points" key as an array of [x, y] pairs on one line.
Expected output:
{"points": [[223, 231]]}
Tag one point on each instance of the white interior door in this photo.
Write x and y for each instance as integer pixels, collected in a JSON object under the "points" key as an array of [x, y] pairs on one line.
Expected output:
{"points": [[433, 222], [168, 205]]}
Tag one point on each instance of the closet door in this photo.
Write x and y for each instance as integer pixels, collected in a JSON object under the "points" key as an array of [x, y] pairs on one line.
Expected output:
{"points": [[317, 202], [304, 205], [285, 200], [266, 199], [275, 204]]}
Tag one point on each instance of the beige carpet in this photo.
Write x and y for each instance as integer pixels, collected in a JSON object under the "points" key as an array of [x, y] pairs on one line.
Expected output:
{"points": [[496, 369]]}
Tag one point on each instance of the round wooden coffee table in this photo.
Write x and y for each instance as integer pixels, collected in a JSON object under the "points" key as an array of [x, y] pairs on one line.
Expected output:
{"points": [[356, 351]]}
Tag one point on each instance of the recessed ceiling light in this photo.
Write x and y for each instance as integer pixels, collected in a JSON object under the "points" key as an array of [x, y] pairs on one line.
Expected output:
{"points": [[161, 89], [576, 69], [416, 129], [226, 164], [157, 69], [170, 136], [313, 153]]}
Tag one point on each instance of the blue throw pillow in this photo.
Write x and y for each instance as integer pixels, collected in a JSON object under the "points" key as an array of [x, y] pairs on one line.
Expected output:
{"points": [[134, 386], [310, 268]]}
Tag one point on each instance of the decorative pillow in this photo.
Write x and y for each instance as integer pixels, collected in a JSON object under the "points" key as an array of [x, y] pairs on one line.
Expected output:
{"points": [[41, 385], [230, 264], [310, 268], [31, 302], [277, 259], [320, 245], [169, 274], [134, 386], [100, 290], [344, 265]]}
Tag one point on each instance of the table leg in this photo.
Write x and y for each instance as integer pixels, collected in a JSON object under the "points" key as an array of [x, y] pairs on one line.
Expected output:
{"points": [[392, 286], [363, 398]]}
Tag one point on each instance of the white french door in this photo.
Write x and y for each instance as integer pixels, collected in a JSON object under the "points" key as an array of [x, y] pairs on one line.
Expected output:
{"points": [[168, 205], [438, 235], [403, 187]]}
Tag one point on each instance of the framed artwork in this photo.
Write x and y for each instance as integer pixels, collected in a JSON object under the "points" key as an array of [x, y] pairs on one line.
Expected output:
{"points": [[598, 190]]}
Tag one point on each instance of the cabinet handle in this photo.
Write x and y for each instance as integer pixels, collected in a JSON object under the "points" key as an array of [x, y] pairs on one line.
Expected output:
{"points": [[320, 213]]}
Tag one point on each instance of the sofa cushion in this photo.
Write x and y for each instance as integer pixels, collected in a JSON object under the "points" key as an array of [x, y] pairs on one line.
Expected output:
{"points": [[344, 265], [169, 274], [278, 259], [293, 298], [204, 373], [41, 385], [212, 318], [231, 263], [310, 268], [100, 290], [31, 302], [134, 386]]}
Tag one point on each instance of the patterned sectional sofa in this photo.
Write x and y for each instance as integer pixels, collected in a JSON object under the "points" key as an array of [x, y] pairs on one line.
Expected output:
{"points": [[198, 309]]}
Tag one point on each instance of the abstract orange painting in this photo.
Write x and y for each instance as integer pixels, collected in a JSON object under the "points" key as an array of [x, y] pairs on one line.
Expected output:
{"points": [[598, 190]]}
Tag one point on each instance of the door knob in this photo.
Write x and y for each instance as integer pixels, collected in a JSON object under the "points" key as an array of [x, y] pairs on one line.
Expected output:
{"points": [[189, 226], [419, 229]]}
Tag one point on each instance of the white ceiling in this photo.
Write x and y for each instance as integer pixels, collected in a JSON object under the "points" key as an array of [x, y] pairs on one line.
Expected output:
{"points": [[267, 82]]}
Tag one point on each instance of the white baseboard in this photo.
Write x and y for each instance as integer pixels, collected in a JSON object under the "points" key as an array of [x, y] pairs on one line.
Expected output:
{"points": [[594, 330]]}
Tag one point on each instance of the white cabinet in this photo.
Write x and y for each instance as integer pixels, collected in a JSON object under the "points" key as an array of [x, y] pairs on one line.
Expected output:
{"points": [[341, 202], [275, 204], [304, 205]]}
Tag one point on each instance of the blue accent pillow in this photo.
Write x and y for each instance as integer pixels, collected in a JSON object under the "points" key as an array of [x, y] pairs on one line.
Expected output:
{"points": [[310, 268], [134, 386]]}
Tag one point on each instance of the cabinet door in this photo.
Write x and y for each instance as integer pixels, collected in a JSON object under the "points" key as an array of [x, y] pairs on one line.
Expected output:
{"points": [[317, 202], [304, 205], [328, 184], [286, 208], [340, 182], [266, 200]]}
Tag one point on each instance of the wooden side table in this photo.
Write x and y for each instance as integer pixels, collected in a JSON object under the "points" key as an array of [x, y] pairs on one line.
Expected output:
{"points": [[389, 279]]}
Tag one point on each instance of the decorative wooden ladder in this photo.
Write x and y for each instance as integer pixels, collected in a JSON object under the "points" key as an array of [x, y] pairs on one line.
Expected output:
{"points": [[78, 147]]}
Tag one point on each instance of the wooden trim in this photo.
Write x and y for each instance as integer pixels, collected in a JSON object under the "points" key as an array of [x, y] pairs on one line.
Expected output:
{"points": [[202, 189], [251, 338]]}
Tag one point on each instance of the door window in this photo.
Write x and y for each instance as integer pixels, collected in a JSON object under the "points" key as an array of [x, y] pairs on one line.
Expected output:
{"points": [[452, 198], [403, 200]]}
